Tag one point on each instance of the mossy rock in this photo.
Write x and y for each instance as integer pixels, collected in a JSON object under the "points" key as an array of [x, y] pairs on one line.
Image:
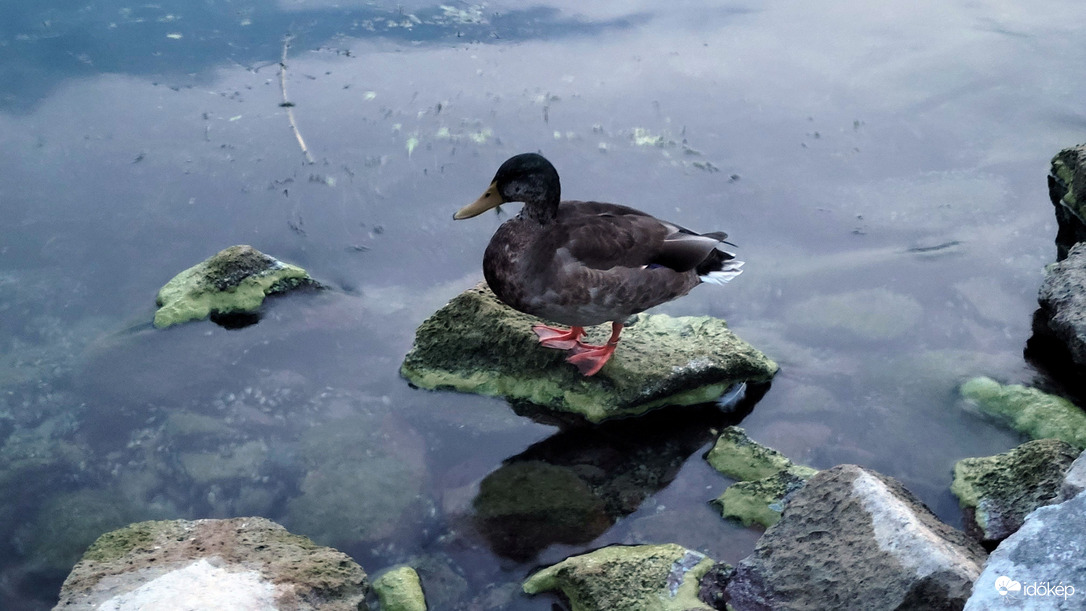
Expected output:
{"points": [[1028, 410], [761, 501], [478, 344], [643, 577], [766, 478], [998, 492], [400, 589], [232, 282]]}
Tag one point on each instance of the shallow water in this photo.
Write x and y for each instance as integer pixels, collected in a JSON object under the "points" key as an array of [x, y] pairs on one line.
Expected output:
{"points": [[882, 171]]}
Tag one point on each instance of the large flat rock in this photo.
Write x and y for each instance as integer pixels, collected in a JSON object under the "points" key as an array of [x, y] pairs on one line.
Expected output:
{"points": [[478, 344]]}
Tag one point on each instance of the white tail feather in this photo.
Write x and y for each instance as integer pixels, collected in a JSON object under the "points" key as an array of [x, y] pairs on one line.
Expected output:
{"points": [[724, 275]]}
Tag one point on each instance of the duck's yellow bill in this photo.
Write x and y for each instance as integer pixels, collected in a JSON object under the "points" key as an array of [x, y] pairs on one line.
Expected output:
{"points": [[489, 199]]}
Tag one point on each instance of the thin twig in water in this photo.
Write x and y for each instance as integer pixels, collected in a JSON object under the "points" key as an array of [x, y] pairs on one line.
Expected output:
{"points": [[287, 103]]}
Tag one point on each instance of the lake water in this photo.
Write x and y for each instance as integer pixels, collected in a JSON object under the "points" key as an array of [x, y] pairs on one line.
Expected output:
{"points": [[881, 169]]}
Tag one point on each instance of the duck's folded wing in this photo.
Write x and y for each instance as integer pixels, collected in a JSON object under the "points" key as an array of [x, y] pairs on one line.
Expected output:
{"points": [[603, 236]]}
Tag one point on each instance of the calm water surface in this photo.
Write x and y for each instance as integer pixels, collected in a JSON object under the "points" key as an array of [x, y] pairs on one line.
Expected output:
{"points": [[881, 169]]}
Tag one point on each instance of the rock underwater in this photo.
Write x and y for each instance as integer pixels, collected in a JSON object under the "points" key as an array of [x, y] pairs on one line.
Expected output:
{"points": [[478, 344], [1028, 410], [232, 282]]}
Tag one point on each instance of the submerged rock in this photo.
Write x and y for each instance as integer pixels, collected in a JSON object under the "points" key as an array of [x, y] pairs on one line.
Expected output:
{"points": [[1041, 566], [854, 539], [232, 283], [998, 492], [241, 563], [400, 590], [1066, 188], [478, 344], [766, 478], [1062, 297], [643, 577], [868, 314], [1028, 410]]}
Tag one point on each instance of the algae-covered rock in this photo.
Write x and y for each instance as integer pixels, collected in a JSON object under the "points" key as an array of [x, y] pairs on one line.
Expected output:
{"points": [[1066, 185], [643, 577], [762, 500], [478, 344], [400, 590], [766, 477], [998, 492], [1028, 410], [240, 563], [234, 281], [739, 457]]}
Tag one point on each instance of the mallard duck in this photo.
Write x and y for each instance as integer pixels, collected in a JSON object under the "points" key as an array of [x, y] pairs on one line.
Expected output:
{"points": [[586, 263]]}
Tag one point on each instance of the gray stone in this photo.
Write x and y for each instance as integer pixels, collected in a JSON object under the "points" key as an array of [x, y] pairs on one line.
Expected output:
{"points": [[233, 281], [854, 539], [241, 563], [642, 577], [1041, 567], [1074, 481], [1066, 184], [1063, 303], [998, 492], [478, 344]]}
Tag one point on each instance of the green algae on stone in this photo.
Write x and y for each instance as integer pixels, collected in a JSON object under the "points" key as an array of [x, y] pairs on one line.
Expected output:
{"points": [[1069, 169], [761, 501], [643, 577], [478, 344], [998, 492], [1028, 410], [739, 457], [233, 281], [765, 477], [400, 590]]}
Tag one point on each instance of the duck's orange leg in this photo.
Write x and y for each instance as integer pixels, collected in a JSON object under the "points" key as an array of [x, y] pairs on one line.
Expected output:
{"points": [[590, 359], [553, 337]]}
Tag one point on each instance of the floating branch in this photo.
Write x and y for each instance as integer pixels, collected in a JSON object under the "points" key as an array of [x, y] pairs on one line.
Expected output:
{"points": [[286, 103]]}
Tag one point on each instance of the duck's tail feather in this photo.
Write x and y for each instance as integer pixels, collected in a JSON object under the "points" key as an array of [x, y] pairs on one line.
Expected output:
{"points": [[719, 268]]}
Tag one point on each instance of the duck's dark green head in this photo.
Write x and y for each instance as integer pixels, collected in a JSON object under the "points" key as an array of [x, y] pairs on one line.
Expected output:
{"points": [[527, 178]]}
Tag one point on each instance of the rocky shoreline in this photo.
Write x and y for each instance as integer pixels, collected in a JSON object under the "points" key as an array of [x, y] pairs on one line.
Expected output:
{"points": [[842, 537]]}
